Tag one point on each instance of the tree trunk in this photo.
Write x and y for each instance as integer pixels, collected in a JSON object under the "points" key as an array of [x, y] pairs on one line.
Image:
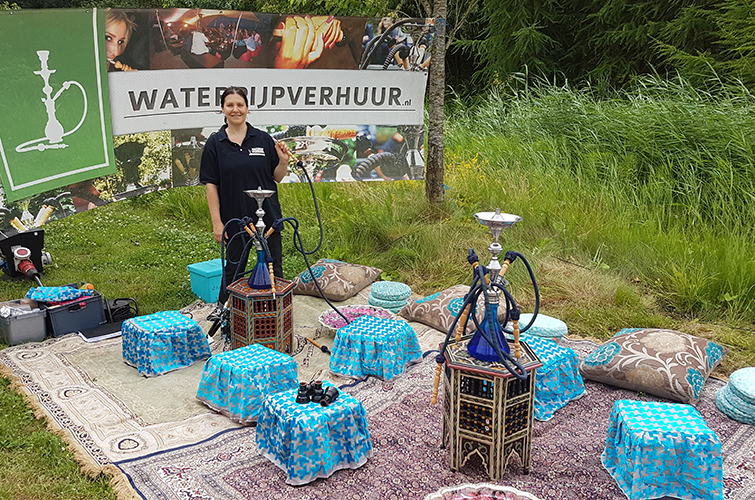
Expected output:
{"points": [[436, 94]]}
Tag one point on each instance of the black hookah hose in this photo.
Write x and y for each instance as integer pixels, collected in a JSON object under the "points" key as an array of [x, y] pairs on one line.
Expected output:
{"points": [[299, 245], [224, 262], [510, 299]]}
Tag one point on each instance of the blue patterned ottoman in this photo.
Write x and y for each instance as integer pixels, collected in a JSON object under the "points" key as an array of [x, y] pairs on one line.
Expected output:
{"points": [[737, 398], [165, 341], [308, 441], [558, 381], [374, 346], [236, 382], [658, 449], [544, 326]]}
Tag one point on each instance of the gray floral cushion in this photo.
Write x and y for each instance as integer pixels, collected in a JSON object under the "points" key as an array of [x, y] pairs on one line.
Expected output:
{"points": [[338, 280], [439, 309], [665, 363]]}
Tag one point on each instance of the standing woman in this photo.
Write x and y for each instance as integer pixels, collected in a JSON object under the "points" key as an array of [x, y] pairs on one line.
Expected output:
{"points": [[237, 158]]}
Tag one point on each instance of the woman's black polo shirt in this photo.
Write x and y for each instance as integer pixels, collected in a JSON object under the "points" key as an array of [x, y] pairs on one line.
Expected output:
{"points": [[234, 169]]}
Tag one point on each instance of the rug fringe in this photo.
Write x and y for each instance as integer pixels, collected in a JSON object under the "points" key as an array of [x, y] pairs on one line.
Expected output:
{"points": [[119, 483]]}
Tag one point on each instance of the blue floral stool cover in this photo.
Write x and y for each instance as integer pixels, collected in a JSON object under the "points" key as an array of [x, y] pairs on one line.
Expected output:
{"points": [[737, 398], [374, 346], [544, 326], [236, 382], [558, 381], [659, 449], [308, 441], [165, 341]]}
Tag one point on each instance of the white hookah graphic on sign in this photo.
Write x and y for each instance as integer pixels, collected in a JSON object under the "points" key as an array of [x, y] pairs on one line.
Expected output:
{"points": [[54, 132]]}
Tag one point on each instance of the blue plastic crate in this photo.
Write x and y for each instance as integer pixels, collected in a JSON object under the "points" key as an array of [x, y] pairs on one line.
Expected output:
{"points": [[205, 279]]}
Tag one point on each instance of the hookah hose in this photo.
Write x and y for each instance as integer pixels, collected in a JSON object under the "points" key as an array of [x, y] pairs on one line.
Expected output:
{"points": [[299, 245], [224, 261], [470, 300], [511, 256], [493, 341]]}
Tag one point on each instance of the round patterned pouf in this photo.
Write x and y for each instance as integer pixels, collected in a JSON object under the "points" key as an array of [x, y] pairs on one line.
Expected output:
{"points": [[390, 290], [389, 295], [544, 326], [388, 304], [737, 398]]}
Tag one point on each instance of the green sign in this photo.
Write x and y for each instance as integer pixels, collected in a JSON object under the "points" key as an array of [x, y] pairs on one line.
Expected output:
{"points": [[54, 114]]}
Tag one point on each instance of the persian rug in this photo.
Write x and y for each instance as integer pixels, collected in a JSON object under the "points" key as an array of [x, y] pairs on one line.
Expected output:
{"points": [[107, 412], [409, 463]]}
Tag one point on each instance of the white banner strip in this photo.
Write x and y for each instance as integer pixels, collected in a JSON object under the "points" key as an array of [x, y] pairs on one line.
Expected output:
{"points": [[144, 101]]}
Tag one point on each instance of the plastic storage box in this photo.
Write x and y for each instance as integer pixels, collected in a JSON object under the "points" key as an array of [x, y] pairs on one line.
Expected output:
{"points": [[29, 327], [77, 315], [205, 279]]}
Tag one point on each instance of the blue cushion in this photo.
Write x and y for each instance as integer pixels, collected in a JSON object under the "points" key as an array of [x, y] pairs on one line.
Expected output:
{"points": [[544, 326], [390, 290], [742, 383]]}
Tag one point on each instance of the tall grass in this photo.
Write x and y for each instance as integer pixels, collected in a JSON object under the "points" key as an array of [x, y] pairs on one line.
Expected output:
{"points": [[661, 181]]}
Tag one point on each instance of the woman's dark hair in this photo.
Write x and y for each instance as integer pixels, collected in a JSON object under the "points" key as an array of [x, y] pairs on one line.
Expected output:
{"points": [[233, 90]]}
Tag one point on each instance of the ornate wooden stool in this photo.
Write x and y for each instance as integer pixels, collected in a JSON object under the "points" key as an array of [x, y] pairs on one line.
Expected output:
{"points": [[486, 411], [261, 316]]}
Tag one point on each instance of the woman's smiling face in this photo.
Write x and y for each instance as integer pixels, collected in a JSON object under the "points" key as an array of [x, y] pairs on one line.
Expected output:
{"points": [[115, 39], [235, 109]]}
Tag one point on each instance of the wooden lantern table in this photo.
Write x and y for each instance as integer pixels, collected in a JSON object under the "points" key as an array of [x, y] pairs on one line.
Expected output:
{"points": [[487, 411], [261, 317]]}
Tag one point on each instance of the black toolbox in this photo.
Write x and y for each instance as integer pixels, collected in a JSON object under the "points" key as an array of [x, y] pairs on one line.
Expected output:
{"points": [[75, 315]]}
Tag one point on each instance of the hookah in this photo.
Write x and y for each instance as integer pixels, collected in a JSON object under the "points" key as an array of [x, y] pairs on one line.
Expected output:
{"points": [[488, 343], [262, 277], [54, 132]]}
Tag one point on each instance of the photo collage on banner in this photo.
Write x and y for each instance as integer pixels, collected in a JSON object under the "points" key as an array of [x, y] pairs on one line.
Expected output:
{"points": [[347, 94]]}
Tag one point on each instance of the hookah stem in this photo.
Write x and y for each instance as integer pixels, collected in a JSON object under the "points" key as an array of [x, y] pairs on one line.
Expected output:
{"points": [[270, 265]]}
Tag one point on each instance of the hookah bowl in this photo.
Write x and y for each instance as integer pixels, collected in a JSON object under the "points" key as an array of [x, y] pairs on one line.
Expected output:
{"points": [[478, 347], [260, 277]]}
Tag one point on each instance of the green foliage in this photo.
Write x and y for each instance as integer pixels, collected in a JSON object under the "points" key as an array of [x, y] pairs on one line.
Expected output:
{"points": [[9, 6], [656, 183]]}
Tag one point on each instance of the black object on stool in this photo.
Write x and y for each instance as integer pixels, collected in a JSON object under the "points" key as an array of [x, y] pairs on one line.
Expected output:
{"points": [[317, 391], [302, 397], [330, 395]]}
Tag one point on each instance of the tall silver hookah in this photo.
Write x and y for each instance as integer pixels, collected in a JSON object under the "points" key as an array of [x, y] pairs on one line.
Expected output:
{"points": [[497, 222], [255, 279]]}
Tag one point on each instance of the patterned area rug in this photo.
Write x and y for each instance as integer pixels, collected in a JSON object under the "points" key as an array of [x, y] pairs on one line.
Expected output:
{"points": [[108, 412], [409, 463]]}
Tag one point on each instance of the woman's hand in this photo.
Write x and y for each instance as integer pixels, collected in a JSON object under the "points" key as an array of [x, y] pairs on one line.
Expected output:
{"points": [[284, 152], [217, 232], [284, 156]]}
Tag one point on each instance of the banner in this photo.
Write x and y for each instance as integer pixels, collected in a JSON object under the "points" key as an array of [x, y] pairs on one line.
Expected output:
{"points": [[142, 101], [346, 93], [55, 114]]}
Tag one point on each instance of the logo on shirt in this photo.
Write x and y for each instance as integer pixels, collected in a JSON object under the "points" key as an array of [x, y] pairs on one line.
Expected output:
{"points": [[257, 152]]}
